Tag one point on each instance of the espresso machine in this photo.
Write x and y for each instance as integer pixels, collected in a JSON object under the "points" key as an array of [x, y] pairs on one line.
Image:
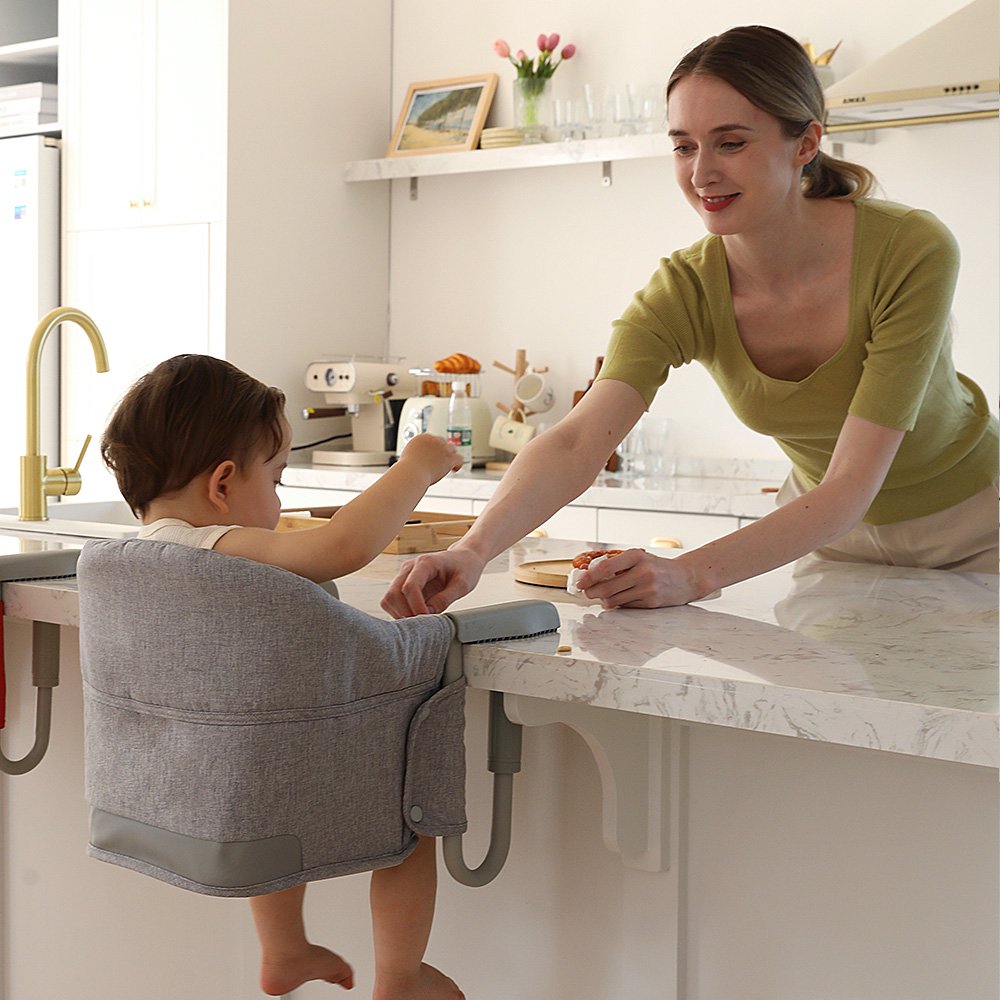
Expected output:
{"points": [[372, 392]]}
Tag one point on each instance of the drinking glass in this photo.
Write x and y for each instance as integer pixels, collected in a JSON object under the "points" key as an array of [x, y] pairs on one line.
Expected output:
{"points": [[628, 109], [652, 109], [657, 437], [599, 106], [569, 118], [632, 452]]}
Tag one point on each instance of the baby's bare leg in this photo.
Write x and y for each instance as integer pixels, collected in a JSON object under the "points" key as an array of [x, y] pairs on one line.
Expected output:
{"points": [[402, 900], [287, 958]]}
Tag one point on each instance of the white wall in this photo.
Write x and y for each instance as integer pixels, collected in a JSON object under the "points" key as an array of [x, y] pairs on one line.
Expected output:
{"points": [[546, 258], [307, 255]]}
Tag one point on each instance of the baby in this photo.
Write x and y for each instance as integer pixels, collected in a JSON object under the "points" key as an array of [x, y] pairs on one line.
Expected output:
{"points": [[198, 448]]}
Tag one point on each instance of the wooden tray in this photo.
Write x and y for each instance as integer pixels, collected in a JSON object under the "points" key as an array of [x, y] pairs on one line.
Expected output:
{"points": [[544, 572], [424, 531]]}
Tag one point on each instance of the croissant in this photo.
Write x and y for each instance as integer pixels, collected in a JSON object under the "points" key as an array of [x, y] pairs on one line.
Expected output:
{"points": [[583, 560], [458, 364]]}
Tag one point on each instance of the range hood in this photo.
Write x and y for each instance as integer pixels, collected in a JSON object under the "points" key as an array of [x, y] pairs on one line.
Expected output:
{"points": [[947, 73]]}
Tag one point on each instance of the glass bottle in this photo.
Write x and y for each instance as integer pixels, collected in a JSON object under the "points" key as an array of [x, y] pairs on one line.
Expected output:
{"points": [[459, 431]]}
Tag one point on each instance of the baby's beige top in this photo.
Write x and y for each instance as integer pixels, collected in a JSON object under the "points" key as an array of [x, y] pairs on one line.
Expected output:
{"points": [[172, 529], [894, 368]]}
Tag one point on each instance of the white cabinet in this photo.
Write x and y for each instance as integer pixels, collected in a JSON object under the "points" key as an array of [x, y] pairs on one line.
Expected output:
{"points": [[293, 497], [145, 112], [573, 522], [233, 116], [446, 505], [301, 496], [633, 527], [570, 522], [640, 527]]}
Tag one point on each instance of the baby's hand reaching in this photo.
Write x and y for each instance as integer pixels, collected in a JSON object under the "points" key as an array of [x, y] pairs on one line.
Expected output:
{"points": [[435, 455]]}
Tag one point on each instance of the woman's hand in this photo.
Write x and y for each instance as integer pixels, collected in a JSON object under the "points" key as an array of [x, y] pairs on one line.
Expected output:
{"points": [[435, 455], [636, 579], [429, 583]]}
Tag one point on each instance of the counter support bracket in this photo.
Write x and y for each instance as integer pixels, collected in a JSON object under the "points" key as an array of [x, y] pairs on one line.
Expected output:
{"points": [[642, 761]]}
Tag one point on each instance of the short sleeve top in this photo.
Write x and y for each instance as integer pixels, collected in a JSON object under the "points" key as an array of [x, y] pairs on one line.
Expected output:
{"points": [[894, 368]]}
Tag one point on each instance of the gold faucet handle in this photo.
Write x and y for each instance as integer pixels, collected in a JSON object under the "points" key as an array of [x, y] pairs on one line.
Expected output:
{"points": [[66, 482], [83, 451]]}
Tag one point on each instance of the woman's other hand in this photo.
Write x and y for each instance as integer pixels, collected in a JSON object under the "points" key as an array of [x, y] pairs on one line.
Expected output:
{"points": [[430, 583], [636, 579]]}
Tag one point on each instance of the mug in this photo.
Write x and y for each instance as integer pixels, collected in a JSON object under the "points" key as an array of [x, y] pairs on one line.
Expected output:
{"points": [[509, 434], [534, 393]]}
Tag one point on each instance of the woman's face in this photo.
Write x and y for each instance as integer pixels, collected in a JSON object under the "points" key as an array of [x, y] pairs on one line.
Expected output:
{"points": [[731, 159]]}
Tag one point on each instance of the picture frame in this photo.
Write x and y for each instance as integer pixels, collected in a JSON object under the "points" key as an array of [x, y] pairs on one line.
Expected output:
{"points": [[443, 116]]}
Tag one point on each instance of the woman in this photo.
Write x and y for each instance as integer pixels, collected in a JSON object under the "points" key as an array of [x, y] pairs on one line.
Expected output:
{"points": [[823, 316]]}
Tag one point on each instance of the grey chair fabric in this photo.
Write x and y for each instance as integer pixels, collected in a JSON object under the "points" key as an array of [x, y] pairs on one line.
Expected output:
{"points": [[245, 731]]}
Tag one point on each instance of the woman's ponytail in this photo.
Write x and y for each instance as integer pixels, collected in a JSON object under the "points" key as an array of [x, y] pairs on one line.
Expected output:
{"points": [[829, 177]]}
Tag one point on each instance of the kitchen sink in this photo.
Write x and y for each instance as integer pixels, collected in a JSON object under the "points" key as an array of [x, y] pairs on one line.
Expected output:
{"points": [[103, 519]]}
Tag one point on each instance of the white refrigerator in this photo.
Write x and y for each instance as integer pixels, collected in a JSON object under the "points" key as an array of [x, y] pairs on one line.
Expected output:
{"points": [[29, 288]]}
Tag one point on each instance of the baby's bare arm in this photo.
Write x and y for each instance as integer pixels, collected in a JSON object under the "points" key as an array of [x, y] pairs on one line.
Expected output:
{"points": [[360, 530]]}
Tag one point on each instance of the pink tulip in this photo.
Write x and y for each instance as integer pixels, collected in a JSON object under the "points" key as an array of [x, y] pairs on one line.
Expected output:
{"points": [[521, 55], [543, 43], [501, 48], [552, 43], [568, 52]]}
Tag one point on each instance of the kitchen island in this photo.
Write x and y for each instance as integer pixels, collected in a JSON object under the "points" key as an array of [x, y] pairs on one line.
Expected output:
{"points": [[796, 781]]}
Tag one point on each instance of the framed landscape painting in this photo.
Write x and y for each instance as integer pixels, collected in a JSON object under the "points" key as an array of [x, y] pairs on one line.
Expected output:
{"points": [[443, 116]]}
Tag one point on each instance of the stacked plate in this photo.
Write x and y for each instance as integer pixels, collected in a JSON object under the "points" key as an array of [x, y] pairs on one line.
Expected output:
{"points": [[494, 138]]}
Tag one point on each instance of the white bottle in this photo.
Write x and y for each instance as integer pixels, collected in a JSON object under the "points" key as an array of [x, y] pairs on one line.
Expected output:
{"points": [[459, 431]]}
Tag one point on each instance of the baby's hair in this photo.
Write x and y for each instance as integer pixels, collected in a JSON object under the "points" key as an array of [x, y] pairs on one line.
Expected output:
{"points": [[187, 415], [773, 71]]}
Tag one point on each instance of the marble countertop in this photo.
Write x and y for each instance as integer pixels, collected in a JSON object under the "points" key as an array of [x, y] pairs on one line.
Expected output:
{"points": [[884, 658], [731, 489]]}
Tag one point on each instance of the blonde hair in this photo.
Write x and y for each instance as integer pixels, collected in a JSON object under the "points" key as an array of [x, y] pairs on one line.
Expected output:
{"points": [[771, 70]]}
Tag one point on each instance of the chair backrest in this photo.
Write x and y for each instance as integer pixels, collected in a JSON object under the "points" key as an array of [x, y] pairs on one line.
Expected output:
{"points": [[246, 731]]}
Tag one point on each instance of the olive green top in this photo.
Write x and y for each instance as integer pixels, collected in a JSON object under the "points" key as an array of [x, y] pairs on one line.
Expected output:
{"points": [[894, 368]]}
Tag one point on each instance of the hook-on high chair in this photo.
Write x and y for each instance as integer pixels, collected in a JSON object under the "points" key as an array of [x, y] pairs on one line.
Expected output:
{"points": [[245, 731]]}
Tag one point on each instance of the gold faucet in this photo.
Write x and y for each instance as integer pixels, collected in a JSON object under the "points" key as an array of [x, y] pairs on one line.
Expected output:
{"points": [[38, 481]]}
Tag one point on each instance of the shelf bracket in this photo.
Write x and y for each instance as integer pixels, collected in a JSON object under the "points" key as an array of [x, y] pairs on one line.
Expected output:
{"points": [[606, 174], [642, 762], [414, 189]]}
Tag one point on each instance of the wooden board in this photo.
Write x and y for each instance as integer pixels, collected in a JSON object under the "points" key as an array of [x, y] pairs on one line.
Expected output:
{"points": [[544, 572], [423, 532]]}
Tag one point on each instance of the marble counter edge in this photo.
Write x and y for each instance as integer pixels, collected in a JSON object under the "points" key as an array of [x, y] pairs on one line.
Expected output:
{"points": [[948, 734], [53, 601]]}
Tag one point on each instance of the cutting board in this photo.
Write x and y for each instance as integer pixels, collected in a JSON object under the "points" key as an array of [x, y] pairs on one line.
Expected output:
{"points": [[544, 572]]}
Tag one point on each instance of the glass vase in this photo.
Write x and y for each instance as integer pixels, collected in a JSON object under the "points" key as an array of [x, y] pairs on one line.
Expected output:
{"points": [[532, 106]]}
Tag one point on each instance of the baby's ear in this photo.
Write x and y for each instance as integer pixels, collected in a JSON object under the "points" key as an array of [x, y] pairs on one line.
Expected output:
{"points": [[219, 485]]}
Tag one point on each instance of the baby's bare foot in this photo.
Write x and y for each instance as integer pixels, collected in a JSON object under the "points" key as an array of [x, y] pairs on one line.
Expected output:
{"points": [[428, 984], [283, 973]]}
